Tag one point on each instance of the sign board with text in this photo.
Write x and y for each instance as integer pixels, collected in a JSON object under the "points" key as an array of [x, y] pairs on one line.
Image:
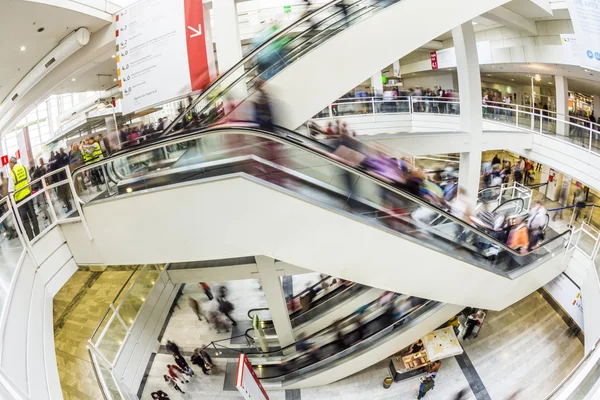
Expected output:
{"points": [[446, 58], [161, 52], [247, 382], [568, 295], [585, 15]]}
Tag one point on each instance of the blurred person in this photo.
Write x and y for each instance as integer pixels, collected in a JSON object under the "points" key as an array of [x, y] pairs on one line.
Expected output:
{"points": [[185, 368], [473, 320], [518, 237], [198, 360], [19, 183], [159, 394], [416, 347], [91, 153], [172, 347], [496, 160], [262, 108], [497, 106], [563, 199], [302, 343], [427, 384], [433, 368], [217, 323], [62, 161], [462, 394], [507, 108], [344, 5], [226, 308], [207, 290], [341, 339], [484, 103], [171, 382], [579, 203], [537, 216], [196, 308], [176, 373]]}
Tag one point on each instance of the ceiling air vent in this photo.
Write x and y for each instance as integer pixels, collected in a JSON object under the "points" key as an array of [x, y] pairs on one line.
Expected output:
{"points": [[50, 62], [15, 97]]}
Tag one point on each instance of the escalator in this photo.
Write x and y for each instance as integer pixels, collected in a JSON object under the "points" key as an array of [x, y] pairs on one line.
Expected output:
{"points": [[297, 193], [368, 335], [309, 316], [309, 64]]}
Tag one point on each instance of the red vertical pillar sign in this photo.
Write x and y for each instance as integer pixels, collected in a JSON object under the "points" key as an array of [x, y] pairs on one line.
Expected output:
{"points": [[196, 44]]}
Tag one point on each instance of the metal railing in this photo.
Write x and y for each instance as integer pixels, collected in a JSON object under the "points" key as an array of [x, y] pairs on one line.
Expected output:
{"points": [[309, 147], [108, 339]]}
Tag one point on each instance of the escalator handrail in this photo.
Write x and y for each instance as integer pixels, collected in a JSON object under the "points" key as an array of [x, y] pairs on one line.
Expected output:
{"points": [[426, 306], [509, 201], [281, 33], [347, 318], [294, 139]]}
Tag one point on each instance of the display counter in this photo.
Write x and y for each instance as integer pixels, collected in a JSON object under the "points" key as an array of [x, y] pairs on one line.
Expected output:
{"points": [[404, 366]]}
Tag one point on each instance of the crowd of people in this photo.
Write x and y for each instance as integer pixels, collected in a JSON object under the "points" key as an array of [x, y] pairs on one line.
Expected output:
{"points": [[181, 373]]}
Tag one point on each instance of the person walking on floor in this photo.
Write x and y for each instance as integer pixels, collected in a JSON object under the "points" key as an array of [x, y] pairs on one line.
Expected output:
{"points": [[173, 348], [183, 365], [199, 358], [176, 373], [426, 385], [171, 382], [195, 306], [225, 307], [19, 183], [207, 290], [159, 394]]}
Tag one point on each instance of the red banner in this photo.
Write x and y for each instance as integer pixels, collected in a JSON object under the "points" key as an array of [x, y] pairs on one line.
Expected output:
{"points": [[434, 63], [4, 160], [196, 44]]}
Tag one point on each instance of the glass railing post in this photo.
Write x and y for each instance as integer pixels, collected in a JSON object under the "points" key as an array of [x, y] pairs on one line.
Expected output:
{"points": [[46, 194], [77, 202], [330, 110], [517, 118]]}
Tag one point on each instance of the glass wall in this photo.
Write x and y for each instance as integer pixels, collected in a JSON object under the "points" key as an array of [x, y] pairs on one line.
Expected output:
{"points": [[43, 121]]}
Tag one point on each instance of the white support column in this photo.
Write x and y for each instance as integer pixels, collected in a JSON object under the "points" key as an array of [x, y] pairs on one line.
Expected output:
{"points": [[275, 299], [229, 44], [377, 84], [562, 103], [596, 105], [471, 120]]}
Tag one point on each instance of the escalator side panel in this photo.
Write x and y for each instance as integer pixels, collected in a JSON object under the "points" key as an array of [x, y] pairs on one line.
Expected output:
{"points": [[369, 356], [239, 216], [327, 72]]}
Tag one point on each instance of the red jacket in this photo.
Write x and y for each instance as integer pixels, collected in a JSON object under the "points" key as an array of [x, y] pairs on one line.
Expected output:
{"points": [[172, 372]]}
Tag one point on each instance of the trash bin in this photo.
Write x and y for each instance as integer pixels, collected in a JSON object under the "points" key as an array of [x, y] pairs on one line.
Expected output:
{"points": [[387, 382]]}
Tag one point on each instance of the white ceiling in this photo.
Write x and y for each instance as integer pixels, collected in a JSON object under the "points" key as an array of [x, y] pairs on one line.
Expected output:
{"points": [[99, 77], [19, 24]]}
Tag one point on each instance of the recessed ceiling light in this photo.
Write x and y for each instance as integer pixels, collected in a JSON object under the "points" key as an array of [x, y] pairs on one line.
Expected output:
{"points": [[512, 80], [72, 79], [549, 83], [586, 70], [488, 74], [493, 66], [23, 48], [113, 56], [114, 79]]}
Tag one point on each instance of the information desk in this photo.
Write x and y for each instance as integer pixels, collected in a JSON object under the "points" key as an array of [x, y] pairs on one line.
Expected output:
{"points": [[404, 366]]}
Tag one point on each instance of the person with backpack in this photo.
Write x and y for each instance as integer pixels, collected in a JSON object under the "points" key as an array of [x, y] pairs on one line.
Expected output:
{"points": [[225, 308], [427, 384]]}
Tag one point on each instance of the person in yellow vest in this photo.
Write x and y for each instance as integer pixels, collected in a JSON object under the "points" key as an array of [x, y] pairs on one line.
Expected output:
{"points": [[18, 183], [91, 153]]}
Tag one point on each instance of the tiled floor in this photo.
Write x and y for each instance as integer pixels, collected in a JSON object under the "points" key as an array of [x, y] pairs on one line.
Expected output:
{"points": [[78, 307], [522, 347]]}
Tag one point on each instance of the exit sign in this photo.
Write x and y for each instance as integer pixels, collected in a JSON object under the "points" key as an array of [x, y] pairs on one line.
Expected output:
{"points": [[287, 9]]}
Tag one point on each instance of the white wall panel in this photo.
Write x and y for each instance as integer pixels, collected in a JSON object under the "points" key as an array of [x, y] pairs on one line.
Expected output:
{"points": [[283, 226], [306, 87]]}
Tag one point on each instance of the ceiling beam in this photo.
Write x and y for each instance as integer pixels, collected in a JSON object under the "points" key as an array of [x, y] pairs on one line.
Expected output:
{"points": [[511, 19]]}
